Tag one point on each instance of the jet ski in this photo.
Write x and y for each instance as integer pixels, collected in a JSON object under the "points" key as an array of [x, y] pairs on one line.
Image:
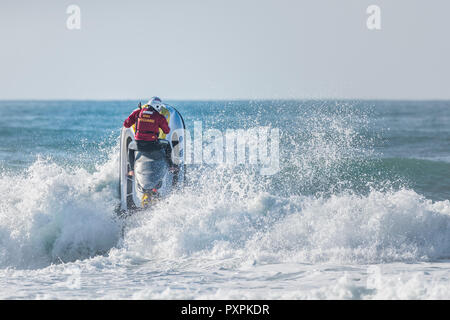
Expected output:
{"points": [[157, 173]]}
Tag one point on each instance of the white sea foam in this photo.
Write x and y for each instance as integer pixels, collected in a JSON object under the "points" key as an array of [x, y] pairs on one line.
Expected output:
{"points": [[50, 214], [377, 228]]}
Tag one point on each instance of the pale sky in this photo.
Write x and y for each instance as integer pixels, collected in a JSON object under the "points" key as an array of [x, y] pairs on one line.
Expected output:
{"points": [[225, 49]]}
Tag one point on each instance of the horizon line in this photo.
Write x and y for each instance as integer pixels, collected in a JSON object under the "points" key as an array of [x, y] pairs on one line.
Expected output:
{"points": [[233, 99]]}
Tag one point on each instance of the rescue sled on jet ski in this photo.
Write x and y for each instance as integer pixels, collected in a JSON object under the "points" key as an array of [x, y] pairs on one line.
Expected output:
{"points": [[155, 176]]}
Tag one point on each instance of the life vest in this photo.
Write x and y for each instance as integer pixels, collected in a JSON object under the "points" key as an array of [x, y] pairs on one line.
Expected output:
{"points": [[148, 123]]}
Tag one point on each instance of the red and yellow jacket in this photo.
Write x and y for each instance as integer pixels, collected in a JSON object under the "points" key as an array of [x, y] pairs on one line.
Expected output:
{"points": [[148, 122]]}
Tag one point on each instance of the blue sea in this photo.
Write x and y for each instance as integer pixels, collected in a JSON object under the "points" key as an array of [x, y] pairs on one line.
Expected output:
{"points": [[359, 208]]}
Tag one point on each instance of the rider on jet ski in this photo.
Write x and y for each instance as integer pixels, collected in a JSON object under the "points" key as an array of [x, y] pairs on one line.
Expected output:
{"points": [[148, 121]]}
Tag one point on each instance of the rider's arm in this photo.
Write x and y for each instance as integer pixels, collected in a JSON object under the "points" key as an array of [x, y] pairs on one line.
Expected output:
{"points": [[131, 118]]}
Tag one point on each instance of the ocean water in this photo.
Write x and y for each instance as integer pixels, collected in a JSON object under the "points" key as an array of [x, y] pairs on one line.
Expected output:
{"points": [[358, 210]]}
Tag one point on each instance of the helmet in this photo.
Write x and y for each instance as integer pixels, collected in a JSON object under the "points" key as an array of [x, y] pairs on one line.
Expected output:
{"points": [[156, 103]]}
